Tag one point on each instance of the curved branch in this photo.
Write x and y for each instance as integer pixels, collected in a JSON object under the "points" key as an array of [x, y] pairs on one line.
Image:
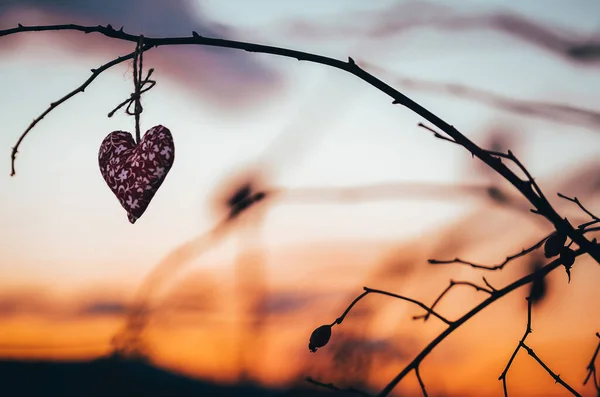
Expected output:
{"points": [[512, 357], [591, 368], [525, 187], [453, 283], [368, 291], [508, 259], [54, 105]]}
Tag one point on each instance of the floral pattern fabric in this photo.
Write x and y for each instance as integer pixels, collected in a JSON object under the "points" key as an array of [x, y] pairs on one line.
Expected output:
{"points": [[135, 172]]}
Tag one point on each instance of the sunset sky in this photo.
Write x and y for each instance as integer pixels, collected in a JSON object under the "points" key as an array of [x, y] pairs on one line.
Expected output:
{"points": [[71, 263]]}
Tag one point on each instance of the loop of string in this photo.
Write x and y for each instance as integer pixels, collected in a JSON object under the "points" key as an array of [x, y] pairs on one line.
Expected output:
{"points": [[141, 85]]}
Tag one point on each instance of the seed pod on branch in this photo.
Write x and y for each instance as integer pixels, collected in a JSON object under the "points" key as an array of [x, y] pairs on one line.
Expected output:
{"points": [[319, 337], [554, 245], [567, 256]]}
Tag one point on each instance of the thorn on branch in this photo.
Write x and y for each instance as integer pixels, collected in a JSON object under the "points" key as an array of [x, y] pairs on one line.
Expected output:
{"points": [[351, 61], [528, 330], [556, 377], [19, 25], [195, 34]]}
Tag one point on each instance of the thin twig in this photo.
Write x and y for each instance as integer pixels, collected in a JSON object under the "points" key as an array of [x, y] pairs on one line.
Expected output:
{"points": [[54, 105], [488, 284], [453, 283], [591, 368], [575, 200], [436, 134], [555, 376], [333, 387], [512, 357], [421, 383], [376, 291], [523, 252]]}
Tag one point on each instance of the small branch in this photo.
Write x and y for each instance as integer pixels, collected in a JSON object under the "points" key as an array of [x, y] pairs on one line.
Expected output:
{"points": [[420, 381], [54, 105], [575, 200], [555, 376], [587, 224], [494, 267], [333, 387], [453, 283], [522, 344], [376, 291], [538, 190], [489, 285], [591, 368], [436, 134], [512, 357]]}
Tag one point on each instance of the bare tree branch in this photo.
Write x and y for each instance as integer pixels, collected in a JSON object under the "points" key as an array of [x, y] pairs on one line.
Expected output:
{"points": [[591, 368], [420, 381], [512, 357], [500, 266], [575, 200], [555, 376], [453, 283], [54, 105], [368, 291]]}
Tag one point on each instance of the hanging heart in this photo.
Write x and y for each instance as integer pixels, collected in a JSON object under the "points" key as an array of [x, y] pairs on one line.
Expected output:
{"points": [[135, 172]]}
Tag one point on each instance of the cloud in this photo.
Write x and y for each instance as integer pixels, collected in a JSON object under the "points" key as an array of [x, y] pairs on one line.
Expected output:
{"points": [[405, 17], [101, 308], [40, 303], [223, 76]]}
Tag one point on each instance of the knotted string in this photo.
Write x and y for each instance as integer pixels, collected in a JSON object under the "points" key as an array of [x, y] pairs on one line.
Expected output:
{"points": [[140, 85]]}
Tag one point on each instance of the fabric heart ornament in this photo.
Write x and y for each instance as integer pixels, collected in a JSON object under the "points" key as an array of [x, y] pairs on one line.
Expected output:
{"points": [[134, 172]]}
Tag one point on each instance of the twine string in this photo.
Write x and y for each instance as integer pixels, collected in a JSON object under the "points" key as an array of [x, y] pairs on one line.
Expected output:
{"points": [[141, 85]]}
